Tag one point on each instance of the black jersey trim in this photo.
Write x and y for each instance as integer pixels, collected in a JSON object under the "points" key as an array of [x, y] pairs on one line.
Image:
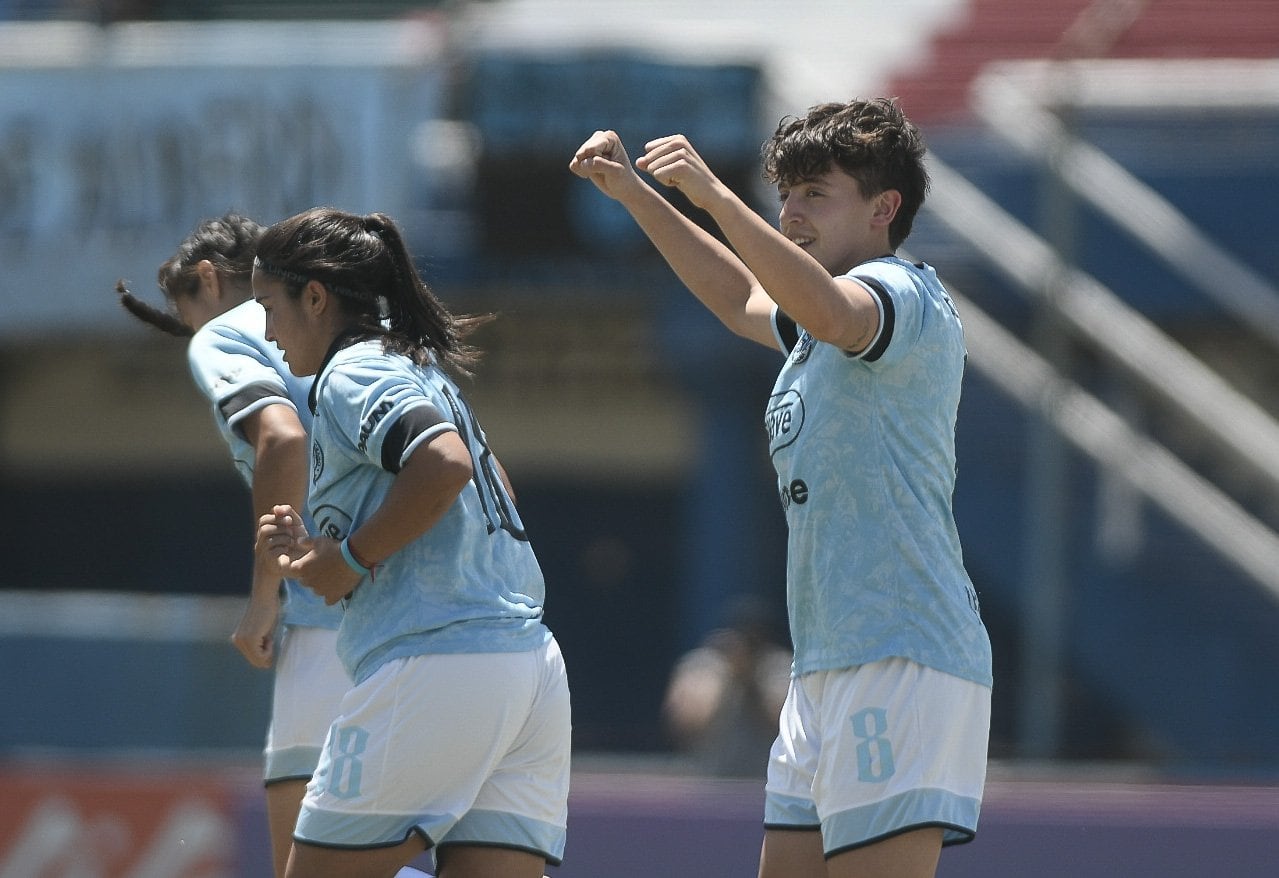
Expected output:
{"points": [[787, 330], [887, 323], [246, 398], [405, 430]]}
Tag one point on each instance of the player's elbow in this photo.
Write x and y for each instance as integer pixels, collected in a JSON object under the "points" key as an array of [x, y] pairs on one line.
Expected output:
{"points": [[281, 440], [275, 428], [455, 472], [847, 330], [441, 466]]}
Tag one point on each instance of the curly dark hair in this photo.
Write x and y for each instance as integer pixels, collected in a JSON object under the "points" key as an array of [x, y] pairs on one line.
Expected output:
{"points": [[870, 140]]}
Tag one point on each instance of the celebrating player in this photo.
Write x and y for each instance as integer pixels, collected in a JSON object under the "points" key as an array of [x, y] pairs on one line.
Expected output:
{"points": [[881, 753], [456, 735], [260, 409]]}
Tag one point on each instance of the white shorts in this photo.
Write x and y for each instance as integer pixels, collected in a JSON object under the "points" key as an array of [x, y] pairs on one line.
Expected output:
{"points": [[868, 752], [309, 685], [462, 749]]}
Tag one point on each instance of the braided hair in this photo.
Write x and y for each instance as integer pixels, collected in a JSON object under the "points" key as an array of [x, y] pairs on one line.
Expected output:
{"points": [[228, 242]]}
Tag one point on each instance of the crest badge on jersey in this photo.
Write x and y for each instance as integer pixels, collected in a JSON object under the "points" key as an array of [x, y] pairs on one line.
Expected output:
{"points": [[803, 348]]}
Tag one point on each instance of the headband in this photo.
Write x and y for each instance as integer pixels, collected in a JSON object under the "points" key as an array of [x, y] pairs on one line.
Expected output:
{"points": [[301, 279]]}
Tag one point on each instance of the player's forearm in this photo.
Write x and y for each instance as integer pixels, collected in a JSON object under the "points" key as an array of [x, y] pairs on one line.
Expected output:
{"points": [[279, 478], [710, 270], [800, 286], [423, 490], [264, 587], [279, 475]]}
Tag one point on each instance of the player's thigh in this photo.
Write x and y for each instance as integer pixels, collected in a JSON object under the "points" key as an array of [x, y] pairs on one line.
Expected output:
{"points": [[911, 854], [283, 800], [798, 854], [792, 853], [311, 861], [465, 861]]}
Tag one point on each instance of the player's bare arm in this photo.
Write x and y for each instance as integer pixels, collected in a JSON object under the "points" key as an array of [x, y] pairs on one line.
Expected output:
{"points": [[316, 562], [711, 271], [254, 634], [602, 159], [425, 487], [837, 311], [280, 453], [506, 480]]}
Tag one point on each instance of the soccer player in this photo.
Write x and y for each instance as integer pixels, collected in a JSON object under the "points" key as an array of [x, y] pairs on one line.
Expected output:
{"points": [[260, 410], [881, 753], [456, 735]]}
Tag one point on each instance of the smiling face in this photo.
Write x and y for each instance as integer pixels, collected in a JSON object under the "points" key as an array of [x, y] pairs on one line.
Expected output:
{"points": [[293, 323], [830, 219]]}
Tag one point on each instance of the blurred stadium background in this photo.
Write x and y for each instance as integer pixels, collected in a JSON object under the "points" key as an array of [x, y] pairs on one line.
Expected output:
{"points": [[1105, 206]]}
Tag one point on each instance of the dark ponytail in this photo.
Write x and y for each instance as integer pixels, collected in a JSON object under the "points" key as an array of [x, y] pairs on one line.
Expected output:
{"points": [[365, 262]]}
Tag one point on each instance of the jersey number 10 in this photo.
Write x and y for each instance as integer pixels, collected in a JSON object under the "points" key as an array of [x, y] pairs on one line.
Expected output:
{"points": [[496, 502]]}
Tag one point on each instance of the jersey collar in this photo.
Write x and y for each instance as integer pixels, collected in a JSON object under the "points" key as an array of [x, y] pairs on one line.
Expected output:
{"points": [[345, 339]]}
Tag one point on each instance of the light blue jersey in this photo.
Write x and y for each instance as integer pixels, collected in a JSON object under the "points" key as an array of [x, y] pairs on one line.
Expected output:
{"points": [[241, 373], [864, 448], [470, 584]]}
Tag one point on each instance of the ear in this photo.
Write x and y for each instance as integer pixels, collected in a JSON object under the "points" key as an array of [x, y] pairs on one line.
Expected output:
{"points": [[210, 281], [315, 298], [887, 203]]}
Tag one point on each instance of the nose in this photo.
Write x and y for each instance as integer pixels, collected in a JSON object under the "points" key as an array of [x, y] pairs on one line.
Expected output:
{"points": [[788, 212]]}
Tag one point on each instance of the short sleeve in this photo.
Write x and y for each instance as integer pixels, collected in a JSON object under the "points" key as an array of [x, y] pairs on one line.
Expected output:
{"points": [[901, 310], [235, 374], [383, 409], [785, 330]]}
